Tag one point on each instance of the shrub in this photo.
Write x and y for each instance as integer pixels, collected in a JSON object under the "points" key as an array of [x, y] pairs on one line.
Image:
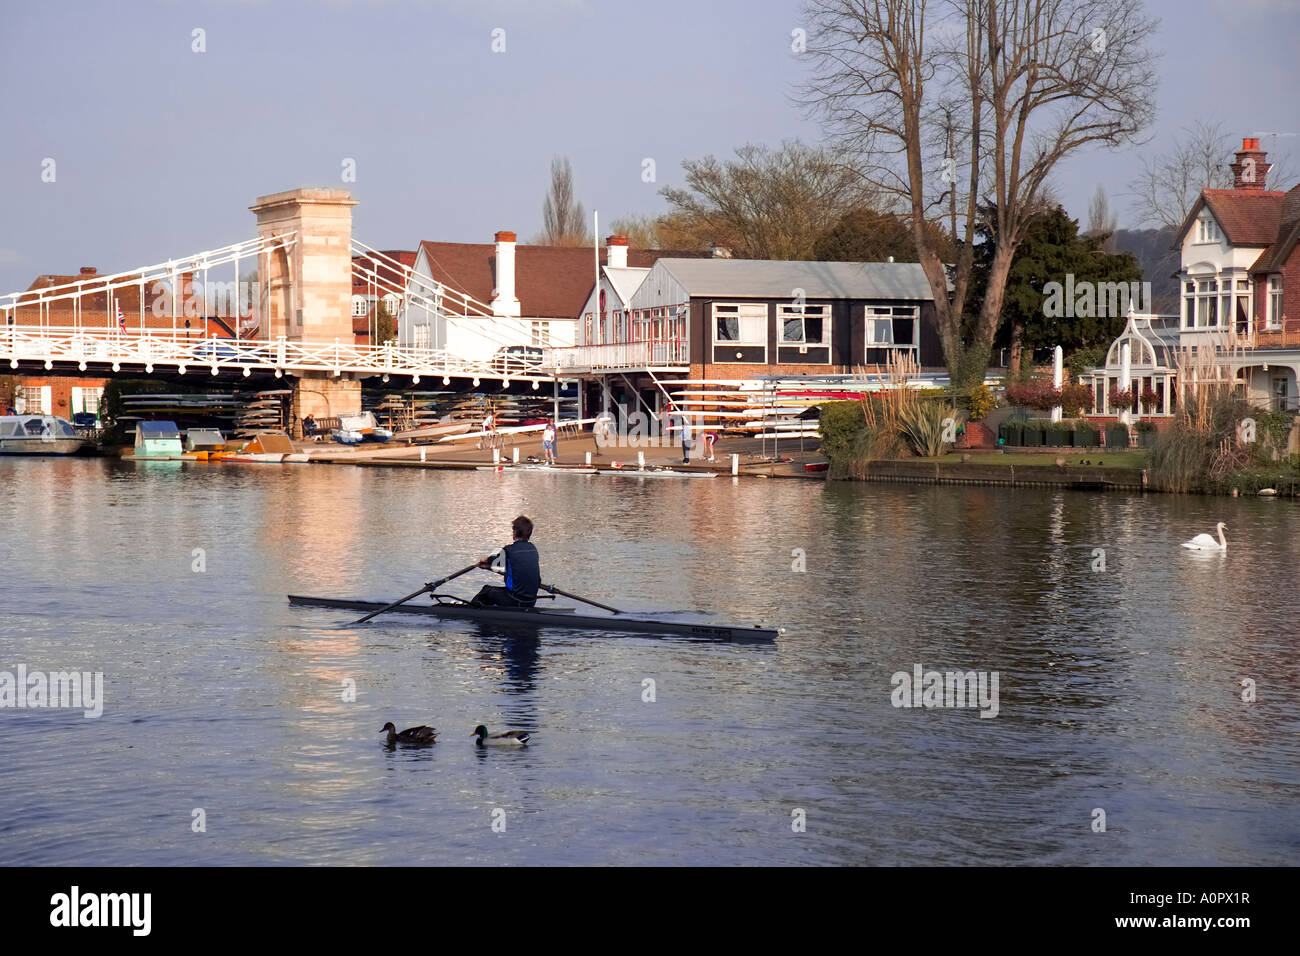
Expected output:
{"points": [[1149, 399], [924, 424], [980, 402], [1116, 436], [1075, 399], [840, 424], [1120, 398]]}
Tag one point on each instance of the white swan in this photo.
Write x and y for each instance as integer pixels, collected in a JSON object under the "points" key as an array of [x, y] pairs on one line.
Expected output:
{"points": [[1206, 542]]}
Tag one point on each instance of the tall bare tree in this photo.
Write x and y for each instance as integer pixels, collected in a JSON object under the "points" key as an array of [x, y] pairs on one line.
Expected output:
{"points": [[564, 221], [764, 204], [1197, 158], [950, 105], [1102, 220]]}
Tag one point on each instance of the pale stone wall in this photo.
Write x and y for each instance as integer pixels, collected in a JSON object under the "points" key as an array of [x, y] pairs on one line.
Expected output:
{"points": [[317, 305]]}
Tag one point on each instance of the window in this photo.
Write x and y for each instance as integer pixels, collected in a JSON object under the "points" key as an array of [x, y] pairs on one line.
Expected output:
{"points": [[420, 336], [1274, 302], [889, 329], [360, 306], [804, 325], [32, 399], [1207, 230], [1207, 304], [541, 333], [740, 325]]}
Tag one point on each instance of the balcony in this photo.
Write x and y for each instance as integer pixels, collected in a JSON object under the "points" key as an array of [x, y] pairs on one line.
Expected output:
{"points": [[619, 355]]}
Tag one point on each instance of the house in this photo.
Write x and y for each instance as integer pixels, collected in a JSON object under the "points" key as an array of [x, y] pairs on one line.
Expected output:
{"points": [[375, 279], [720, 318], [132, 308], [1239, 279]]}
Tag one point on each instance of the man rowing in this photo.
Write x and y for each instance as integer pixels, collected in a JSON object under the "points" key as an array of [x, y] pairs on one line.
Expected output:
{"points": [[522, 570]]}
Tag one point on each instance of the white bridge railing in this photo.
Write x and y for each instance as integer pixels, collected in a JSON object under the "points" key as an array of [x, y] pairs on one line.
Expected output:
{"points": [[618, 355], [85, 347]]}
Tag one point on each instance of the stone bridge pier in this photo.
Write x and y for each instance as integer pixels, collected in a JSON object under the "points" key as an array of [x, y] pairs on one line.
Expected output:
{"points": [[307, 289]]}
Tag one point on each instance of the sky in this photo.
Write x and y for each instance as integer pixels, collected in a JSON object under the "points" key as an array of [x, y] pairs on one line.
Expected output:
{"points": [[159, 150]]}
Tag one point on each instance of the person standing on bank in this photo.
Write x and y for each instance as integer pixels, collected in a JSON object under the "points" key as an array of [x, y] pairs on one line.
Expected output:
{"points": [[687, 437], [548, 443], [523, 572]]}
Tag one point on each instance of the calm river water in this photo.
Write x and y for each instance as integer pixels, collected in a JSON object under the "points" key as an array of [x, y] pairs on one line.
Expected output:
{"points": [[1119, 690]]}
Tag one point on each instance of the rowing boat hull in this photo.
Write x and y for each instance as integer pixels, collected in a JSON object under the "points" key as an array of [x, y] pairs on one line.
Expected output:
{"points": [[540, 619]]}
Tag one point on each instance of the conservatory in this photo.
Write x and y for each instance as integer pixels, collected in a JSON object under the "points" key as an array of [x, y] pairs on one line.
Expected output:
{"points": [[1140, 377]]}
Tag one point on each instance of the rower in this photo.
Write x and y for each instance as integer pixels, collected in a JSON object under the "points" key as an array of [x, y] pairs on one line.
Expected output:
{"points": [[522, 569]]}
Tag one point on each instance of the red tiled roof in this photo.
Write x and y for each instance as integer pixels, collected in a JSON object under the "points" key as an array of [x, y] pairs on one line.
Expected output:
{"points": [[550, 281], [360, 285], [1274, 258], [1248, 218]]}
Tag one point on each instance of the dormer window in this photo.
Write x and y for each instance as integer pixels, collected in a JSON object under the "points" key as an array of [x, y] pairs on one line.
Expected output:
{"points": [[1207, 230]]}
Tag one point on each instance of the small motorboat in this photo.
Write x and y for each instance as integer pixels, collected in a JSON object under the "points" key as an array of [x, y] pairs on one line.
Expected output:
{"points": [[39, 435]]}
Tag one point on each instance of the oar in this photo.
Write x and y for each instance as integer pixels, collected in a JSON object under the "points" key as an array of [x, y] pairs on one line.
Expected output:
{"points": [[431, 586], [577, 597]]}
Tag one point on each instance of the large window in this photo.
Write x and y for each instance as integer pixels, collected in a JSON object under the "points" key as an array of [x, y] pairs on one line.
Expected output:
{"points": [[804, 324], [1275, 302], [1207, 230], [1201, 304], [740, 324], [890, 329]]}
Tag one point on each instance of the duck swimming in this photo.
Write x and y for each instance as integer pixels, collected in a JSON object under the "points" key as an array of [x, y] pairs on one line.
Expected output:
{"points": [[412, 735], [507, 738]]}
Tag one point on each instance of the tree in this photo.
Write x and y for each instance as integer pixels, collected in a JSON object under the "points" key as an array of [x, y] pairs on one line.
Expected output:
{"points": [[766, 203], [641, 232], [1052, 250], [946, 104], [866, 235], [564, 221], [385, 324], [1170, 183], [1102, 220]]}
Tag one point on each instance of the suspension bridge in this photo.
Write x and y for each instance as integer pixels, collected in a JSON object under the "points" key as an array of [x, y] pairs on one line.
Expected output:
{"points": [[204, 315]]}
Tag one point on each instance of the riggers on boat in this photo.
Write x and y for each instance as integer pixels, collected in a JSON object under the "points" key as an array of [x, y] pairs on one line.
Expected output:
{"points": [[452, 608], [39, 435]]}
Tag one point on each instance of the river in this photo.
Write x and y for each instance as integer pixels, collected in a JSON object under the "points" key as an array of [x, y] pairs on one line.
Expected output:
{"points": [[229, 736]]}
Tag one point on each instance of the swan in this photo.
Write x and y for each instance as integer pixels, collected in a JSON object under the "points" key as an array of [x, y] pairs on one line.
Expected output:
{"points": [[1206, 542]]}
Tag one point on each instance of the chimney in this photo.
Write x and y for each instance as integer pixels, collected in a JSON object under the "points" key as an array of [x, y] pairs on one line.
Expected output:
{"points": [[616, 252], [504, 300], [88, 271], [1250, 171]]}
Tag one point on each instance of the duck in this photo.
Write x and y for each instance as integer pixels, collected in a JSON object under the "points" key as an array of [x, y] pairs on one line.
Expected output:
{"points": [[1205, 542], [507, 738], [412, 735]]}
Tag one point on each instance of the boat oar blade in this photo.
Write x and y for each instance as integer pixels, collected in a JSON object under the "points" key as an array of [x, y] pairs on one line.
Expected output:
{"points": [[431, 586]]}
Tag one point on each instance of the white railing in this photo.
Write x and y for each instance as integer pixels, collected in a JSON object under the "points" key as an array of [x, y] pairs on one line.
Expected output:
{"points": [[165, 348], [618, 355]]}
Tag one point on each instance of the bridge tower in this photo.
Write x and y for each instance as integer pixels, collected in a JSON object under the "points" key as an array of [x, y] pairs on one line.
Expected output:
{"points": [[307, 288]]}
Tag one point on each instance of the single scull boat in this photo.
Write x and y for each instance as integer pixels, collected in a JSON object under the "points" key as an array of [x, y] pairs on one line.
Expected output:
{"points": [[535, 617]]}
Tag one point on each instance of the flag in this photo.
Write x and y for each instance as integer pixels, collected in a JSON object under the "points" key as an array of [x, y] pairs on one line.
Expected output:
{"points": [[121, 319]]}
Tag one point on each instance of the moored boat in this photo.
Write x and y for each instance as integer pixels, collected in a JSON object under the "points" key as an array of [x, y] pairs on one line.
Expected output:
{"points": [[39, 435]]}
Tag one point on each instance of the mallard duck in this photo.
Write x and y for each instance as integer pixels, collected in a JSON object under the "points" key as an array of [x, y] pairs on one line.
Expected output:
{"points": [[412, 735], [507, 738]]}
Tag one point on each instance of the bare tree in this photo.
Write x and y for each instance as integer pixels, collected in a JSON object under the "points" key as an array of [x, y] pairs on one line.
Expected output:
{"points": [[1171, 182], [564, 221], [641, 231], [766, 203], [969, 103], [1102, 220]]}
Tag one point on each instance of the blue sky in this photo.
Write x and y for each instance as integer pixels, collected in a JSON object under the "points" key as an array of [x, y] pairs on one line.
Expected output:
{"points": [[160, 150]]}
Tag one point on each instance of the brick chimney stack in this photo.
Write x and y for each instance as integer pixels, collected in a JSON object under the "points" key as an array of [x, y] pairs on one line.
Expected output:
{"points": [[1250, 171]]}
